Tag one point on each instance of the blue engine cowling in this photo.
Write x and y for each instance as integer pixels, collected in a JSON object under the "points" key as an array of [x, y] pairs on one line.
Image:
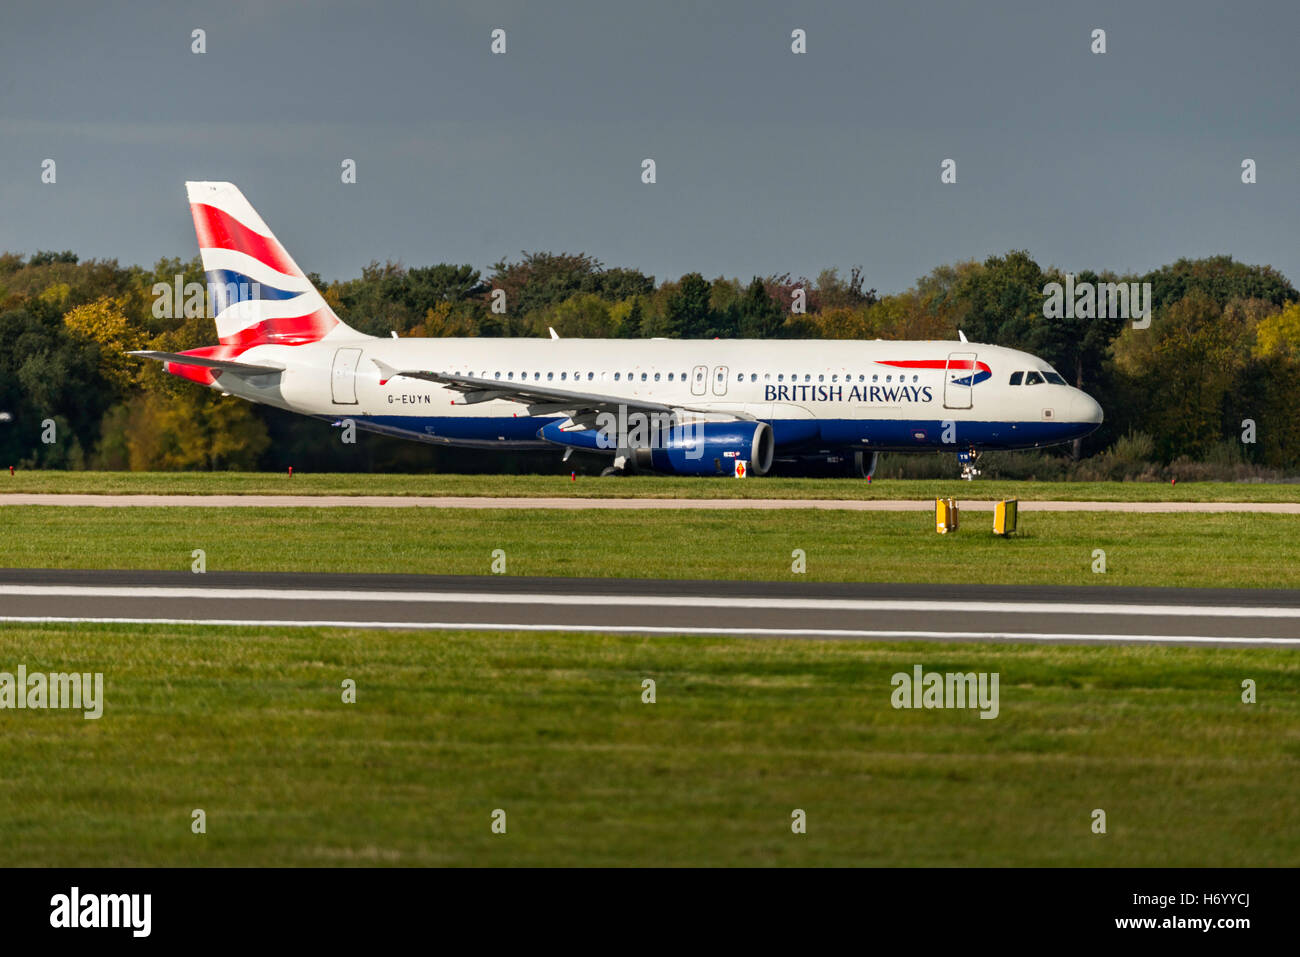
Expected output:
{"points": [[699, 448]]}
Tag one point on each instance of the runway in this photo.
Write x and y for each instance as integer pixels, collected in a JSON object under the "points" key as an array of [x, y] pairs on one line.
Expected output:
{"points": [[990, 613], [673, 504]]}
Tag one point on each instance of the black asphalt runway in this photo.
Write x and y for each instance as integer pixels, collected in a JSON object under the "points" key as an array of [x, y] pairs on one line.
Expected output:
{"points": [[794, 609]]}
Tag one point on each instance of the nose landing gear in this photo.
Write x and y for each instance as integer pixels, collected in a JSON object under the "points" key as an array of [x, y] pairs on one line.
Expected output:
{"points": [[967, 460]]}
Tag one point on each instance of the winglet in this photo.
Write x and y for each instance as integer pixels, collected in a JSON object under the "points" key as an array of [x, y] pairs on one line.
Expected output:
{"points": [[554, 334]]}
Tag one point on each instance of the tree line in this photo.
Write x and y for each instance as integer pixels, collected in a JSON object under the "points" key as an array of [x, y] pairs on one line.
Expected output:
{"points": [[1214, 376]]}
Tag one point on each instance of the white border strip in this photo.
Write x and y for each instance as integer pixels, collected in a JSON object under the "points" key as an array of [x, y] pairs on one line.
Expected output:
{"points": [[660, 630]]}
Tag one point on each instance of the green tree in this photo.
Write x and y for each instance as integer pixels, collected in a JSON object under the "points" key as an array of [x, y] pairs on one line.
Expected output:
{"points": [[759, 315], [1194, 362], [688, 314], [633, 323], [1002, 301], [1220, 279]]}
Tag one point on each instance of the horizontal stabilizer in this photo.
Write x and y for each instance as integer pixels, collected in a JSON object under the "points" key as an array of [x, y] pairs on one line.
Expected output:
{"points": [[225, 365]]}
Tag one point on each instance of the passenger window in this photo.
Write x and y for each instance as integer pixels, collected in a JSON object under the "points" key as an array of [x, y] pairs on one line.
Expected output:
{"points": [[550, 376], [1033, 378], [643, 377], [656, 376], [753, 377], [1016, 377], [616, 376]]}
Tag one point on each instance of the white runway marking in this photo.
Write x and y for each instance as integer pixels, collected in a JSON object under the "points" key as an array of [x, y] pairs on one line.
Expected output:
{"points": [[655, 629], [685, 601], [564, 503]]}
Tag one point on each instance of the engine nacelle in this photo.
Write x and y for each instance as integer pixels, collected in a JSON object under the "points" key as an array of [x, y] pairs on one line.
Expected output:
{"points": [[693, 448], [711, 448]]}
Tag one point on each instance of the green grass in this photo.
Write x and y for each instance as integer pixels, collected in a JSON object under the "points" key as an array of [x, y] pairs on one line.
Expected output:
{"points": [[1243, 550], [262, 483], [248, 725]]}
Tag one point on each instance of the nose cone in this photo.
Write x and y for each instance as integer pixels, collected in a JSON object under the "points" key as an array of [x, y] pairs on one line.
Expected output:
{"points": [[1084, 408]]}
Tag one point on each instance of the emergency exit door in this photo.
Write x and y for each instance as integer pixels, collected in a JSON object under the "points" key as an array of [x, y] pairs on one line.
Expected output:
{"points": [[958, 380]]}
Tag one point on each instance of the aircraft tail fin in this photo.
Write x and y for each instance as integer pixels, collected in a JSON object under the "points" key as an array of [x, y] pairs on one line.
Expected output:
{"points": [[259, 293]]}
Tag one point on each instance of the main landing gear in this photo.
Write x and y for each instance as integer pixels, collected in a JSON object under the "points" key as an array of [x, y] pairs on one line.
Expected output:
{"points": [[968, 460], [861, 464], [622, 465]]}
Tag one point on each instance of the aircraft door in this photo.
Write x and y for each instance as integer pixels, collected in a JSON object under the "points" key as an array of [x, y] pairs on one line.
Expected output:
{"points": [[720, 380], [343, 381], [699, 380], [957, 387]]}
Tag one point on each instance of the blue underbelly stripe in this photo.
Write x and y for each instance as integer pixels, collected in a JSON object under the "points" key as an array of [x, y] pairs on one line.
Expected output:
{"points": [[790, 434]]}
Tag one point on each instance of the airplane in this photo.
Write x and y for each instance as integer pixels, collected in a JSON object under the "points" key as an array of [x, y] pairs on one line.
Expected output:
{"points": [[678, 406]]}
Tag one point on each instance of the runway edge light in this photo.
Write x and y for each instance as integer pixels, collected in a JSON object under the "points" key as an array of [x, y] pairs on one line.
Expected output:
{"points": [[1004, 516]]}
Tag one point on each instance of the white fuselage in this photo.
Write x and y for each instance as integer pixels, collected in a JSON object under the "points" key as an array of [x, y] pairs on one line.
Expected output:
{"points": [[846, 394]]}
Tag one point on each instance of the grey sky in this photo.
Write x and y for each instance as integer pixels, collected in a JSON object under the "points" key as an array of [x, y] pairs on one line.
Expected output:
{"points": [[767, 161]]}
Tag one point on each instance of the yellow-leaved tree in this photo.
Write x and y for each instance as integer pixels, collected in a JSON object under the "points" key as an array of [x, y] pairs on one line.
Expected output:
{"points": [[104, 322], [193, 429], [1279, 334]]}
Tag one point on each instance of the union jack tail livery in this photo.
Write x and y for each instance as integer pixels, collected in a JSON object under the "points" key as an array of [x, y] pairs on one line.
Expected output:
{"points": [[259, 294]]}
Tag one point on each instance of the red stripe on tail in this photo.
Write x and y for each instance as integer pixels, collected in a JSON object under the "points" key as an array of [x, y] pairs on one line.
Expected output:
{"points": [[219, 230]]}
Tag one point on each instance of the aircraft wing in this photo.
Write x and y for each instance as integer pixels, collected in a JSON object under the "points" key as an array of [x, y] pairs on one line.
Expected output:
{"points": [[542, 399], [246, 368]]}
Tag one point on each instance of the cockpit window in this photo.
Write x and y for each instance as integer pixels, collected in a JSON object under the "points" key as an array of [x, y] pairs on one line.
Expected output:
{"points": [[1033, 378], [1016, 377], [1054, 378]]}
